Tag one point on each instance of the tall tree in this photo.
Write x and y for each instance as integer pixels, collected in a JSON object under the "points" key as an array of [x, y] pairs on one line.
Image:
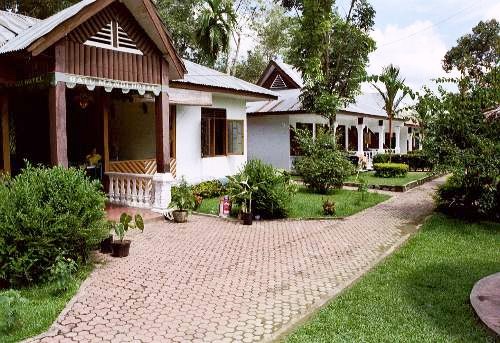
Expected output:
{"points": [[393, 92], [476, 54], [252, 67], [40, 9], [178, 16], [215, 25], [331, 52]]}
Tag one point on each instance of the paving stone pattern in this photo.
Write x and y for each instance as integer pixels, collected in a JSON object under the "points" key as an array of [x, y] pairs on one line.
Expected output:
{"points": [[212, 280]]}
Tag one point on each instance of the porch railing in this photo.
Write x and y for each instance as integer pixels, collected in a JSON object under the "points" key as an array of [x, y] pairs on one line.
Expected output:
{"points": [[134, 190]]}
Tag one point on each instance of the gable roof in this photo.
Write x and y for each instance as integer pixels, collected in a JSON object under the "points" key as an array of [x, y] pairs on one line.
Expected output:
{"points": [[288, 71], [35, 34], [199, 76]]}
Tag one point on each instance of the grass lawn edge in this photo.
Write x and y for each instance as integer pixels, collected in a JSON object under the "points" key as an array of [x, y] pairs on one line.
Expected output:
{"points": [[284, 331]]}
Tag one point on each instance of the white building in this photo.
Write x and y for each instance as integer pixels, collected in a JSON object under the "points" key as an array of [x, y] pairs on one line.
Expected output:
{"points": [[358, 127]]}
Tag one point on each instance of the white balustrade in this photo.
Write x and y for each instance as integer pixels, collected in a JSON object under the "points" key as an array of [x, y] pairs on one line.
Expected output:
{"points": [[134, 190]]}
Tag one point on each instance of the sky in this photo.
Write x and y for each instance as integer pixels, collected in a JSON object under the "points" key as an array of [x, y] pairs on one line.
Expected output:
{"points": [[416, 34]]}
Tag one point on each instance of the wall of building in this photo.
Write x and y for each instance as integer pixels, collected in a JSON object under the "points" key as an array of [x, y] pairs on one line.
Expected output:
{"points": [[190, 164], [269, 140], [132, 131]]}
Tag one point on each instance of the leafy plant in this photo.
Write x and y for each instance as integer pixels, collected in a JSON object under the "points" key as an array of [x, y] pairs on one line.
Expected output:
{"points": [[182, 197], [323, 167], [61, 273], [10, 317], [274, 192], [390, 169], [209, 189], [44, 211], [362, 188], [128, 222], [241, 191], [329, 207]]}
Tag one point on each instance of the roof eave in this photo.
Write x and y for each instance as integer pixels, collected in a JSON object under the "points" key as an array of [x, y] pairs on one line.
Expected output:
{"points": [[214, 89]]}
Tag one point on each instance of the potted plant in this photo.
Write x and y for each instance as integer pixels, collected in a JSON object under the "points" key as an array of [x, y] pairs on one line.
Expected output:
{"points": [[241, 192], [106, 244], [183, 201], [121, 246]]}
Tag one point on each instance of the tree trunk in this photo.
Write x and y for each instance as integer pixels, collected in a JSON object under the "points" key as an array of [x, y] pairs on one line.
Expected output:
{"points": [[238, 43]]}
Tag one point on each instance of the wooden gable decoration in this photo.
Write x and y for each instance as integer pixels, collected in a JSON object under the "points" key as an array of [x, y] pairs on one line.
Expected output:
{"points": [[113, 36], [278, 83], [114, 28]]}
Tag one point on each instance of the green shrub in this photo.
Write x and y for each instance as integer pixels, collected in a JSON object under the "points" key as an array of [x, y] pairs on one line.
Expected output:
{"points": [[382, 158], [46, 212], [183, 197], [416, 160], [10, 317], [323, 166], [463, 198], [274, 191], [390, 169], [209, 189]]}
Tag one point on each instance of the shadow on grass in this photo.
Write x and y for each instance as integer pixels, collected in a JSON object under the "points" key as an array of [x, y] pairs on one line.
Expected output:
{"points": [[440, 293]]}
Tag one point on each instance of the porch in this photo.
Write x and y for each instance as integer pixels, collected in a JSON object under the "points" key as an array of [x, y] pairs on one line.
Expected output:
{"points": [[361, 136]]}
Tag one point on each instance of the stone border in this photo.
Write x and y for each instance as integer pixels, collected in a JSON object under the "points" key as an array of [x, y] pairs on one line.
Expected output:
{"points": [[399, 189], [232, 219]]}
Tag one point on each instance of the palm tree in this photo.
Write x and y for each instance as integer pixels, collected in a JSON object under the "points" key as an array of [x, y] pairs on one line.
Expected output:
{"points": [[215, 24], [393, 83]]}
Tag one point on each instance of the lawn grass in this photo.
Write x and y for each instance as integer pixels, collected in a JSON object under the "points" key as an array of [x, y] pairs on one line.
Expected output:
{"points": [[371, 179], [310, 205], [42, 307], [419, 294]]}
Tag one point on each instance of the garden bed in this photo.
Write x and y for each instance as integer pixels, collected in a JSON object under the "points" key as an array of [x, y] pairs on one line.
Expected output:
{"points": [[419, 294], [308, 205], [393, 184]]}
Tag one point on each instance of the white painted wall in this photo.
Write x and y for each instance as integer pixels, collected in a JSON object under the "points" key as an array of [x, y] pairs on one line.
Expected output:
{"points": [[190, 164], [269, 140]]}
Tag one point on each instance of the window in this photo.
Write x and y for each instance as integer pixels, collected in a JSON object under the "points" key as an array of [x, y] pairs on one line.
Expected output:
{"points": [[219, 136], [235, 135]]}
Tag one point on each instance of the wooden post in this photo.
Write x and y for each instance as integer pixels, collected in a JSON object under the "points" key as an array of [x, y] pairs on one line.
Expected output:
{"points": [[162, 126], [4, 109], [57, 112], [105, 103]]}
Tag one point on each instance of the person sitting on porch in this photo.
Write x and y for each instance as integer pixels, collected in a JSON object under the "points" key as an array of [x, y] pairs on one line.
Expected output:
{"points": [[93, 158]]}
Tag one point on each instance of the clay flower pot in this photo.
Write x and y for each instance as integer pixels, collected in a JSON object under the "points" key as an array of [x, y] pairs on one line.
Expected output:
{"points": [[121, 248], [180, 216], [106, 245]]}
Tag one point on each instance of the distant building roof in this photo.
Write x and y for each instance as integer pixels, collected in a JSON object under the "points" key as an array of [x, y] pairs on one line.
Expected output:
{"points": [[203, 76], [289, 99]]}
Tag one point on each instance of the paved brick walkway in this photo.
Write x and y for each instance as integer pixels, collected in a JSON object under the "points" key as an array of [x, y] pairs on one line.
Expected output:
{"points": [[215, 280]]}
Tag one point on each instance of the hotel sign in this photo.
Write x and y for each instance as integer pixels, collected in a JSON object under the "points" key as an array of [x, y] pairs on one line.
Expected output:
{"points": [[90, 82]]}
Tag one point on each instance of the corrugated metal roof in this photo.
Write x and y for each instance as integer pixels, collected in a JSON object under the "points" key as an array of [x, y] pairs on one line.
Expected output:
{"points": [[289, 101], [204, 76], [42, 27], [13, 24]]}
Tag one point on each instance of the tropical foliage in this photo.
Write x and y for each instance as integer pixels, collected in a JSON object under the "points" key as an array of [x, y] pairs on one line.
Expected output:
{"points": [[331, 52], [393, 92], [322, 166]]}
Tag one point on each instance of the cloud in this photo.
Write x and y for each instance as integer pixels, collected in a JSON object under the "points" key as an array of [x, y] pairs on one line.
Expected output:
{"points": [[417, 49]]}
